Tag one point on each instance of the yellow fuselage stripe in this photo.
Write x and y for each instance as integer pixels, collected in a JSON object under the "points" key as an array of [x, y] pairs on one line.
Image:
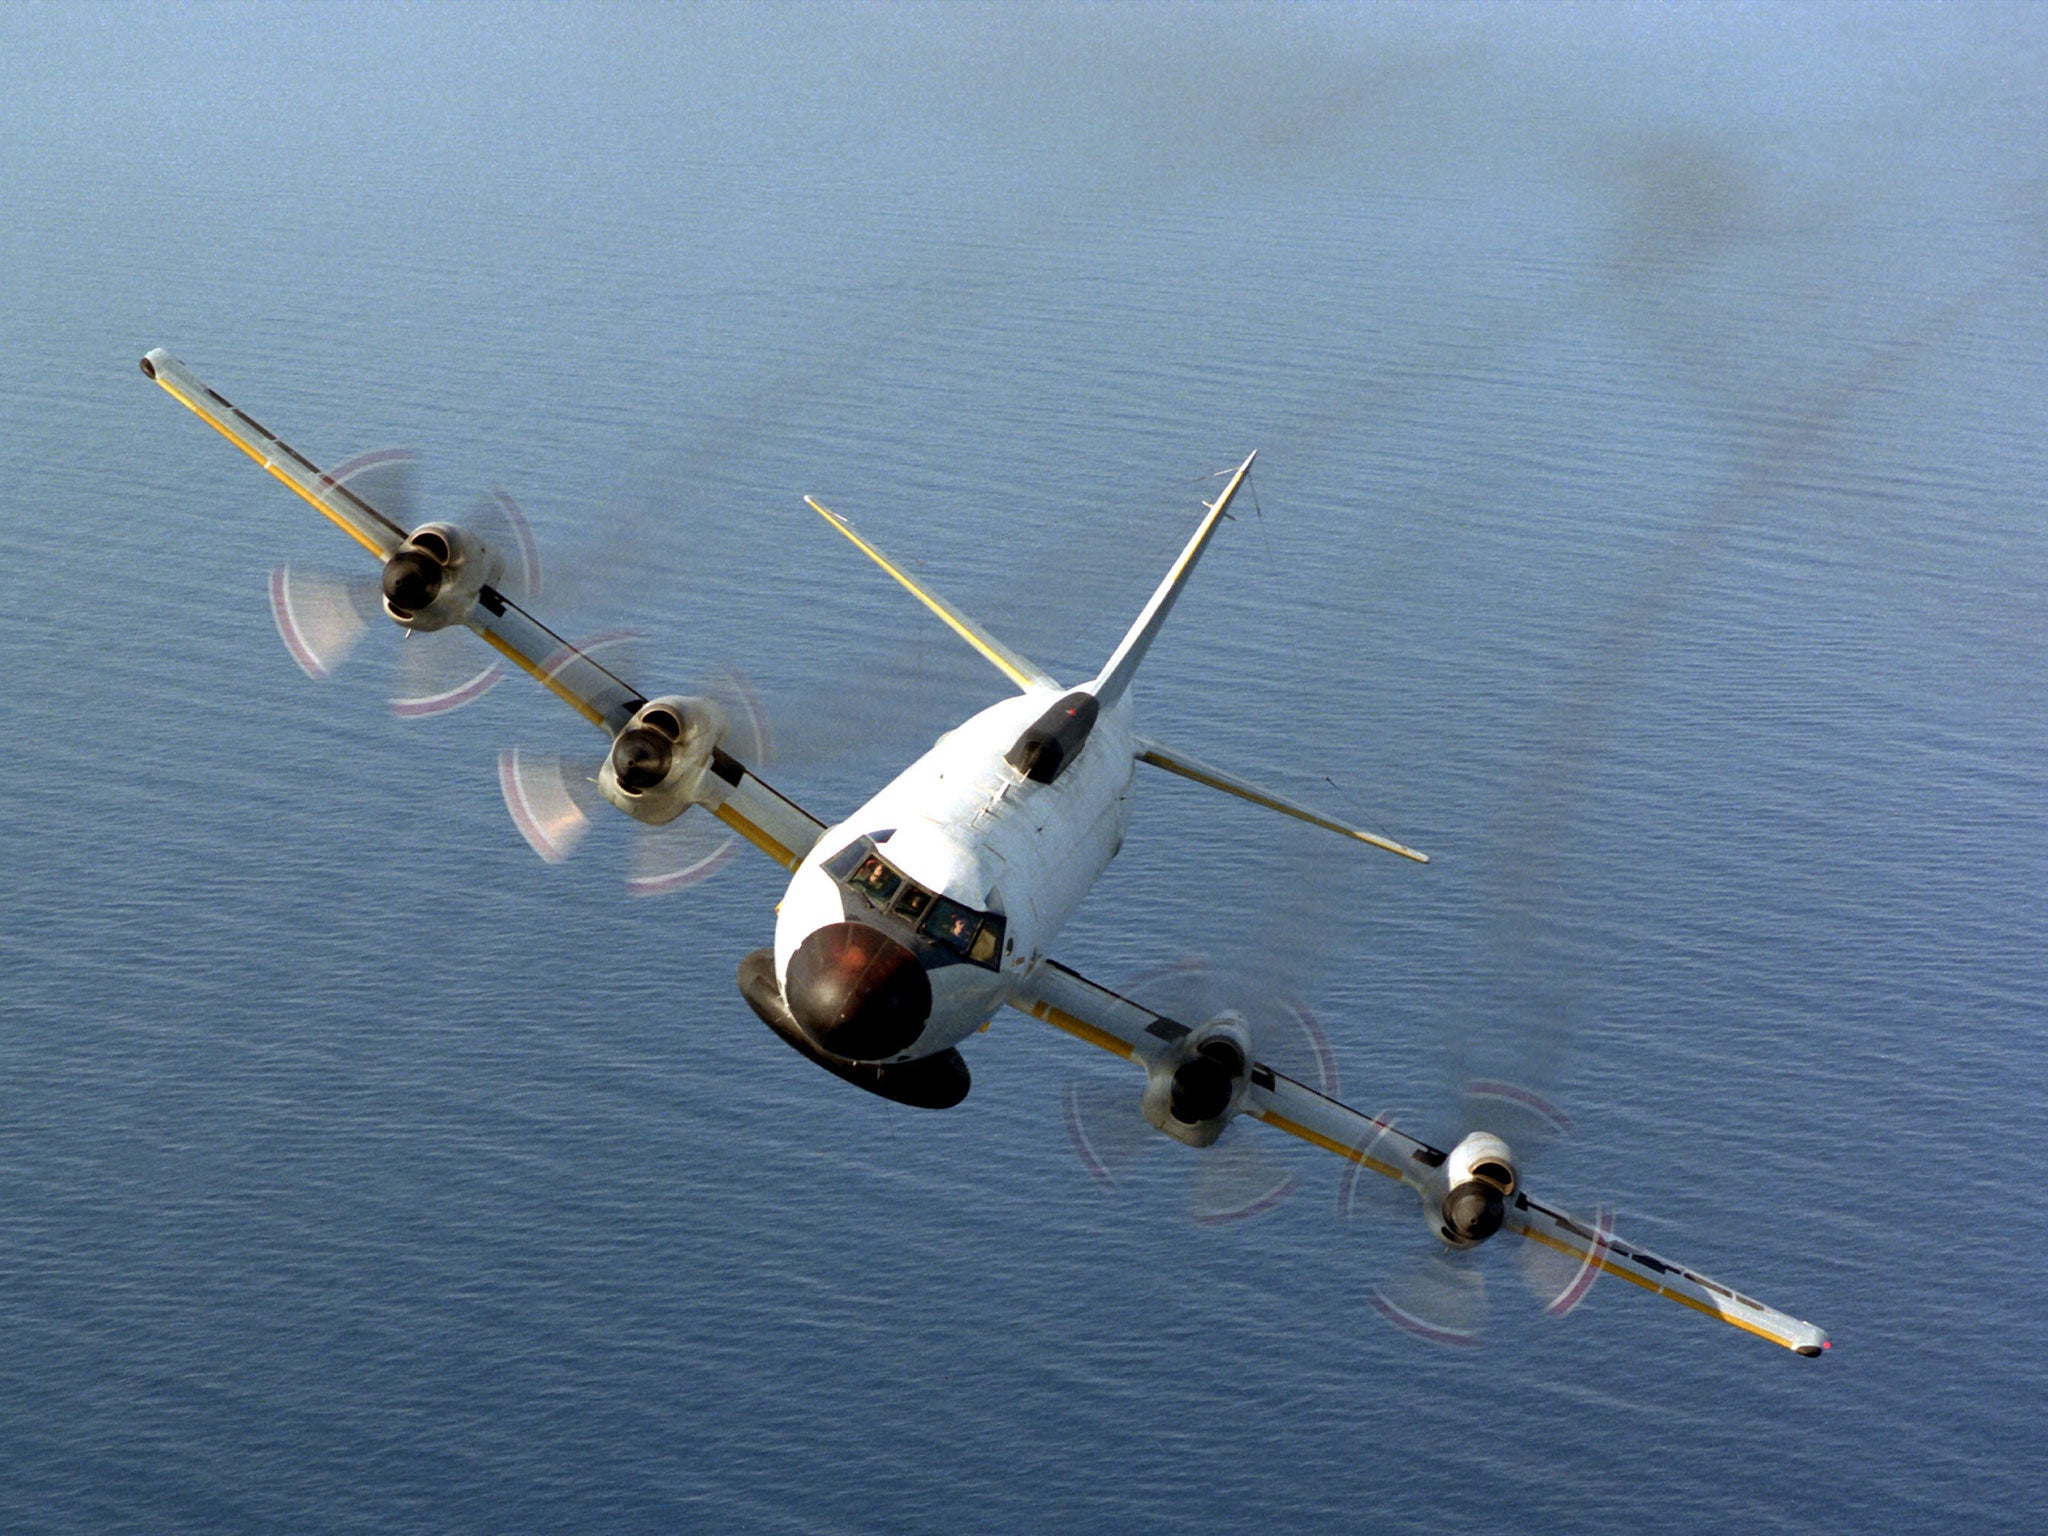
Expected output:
{"points": [[269, 464]]}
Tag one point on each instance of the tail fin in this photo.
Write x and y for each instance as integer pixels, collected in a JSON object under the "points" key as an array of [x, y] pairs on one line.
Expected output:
{"points": [[1116, 674]]}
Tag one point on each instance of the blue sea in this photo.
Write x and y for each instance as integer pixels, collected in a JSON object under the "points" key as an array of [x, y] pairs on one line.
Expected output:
{"points": [[1648, 523]]}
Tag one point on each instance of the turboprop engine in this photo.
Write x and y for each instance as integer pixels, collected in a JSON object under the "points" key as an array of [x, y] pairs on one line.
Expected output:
{"points": [[434, 578], [1479, 1180], [1193, 1090], [660, 764]]}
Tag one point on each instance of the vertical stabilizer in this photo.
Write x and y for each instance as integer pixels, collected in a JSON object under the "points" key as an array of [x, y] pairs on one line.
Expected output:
{"points": [[1116, 674]]}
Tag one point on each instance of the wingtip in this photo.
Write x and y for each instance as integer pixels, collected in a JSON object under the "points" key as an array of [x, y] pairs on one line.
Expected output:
{"points": [[1376, 841]]}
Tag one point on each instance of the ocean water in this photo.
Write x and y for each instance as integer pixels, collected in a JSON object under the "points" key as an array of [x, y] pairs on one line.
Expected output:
{"points": [[1648, 524]]}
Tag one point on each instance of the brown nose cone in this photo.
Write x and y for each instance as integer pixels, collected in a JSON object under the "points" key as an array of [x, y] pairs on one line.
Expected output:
{"points": [[857, 993]]}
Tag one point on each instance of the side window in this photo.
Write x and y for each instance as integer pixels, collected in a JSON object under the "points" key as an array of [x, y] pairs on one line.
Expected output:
{"points": [[987, 943]]}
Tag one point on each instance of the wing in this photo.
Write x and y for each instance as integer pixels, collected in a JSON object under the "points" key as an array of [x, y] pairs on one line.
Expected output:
{"points": [[350, 512], [1019, 669], [769, 820], [1069, 1001]]}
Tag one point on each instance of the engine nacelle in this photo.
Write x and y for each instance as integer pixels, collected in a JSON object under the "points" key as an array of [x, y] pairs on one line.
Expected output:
{"points": [[434, 577], [1479, 1178], [1193, 1090], [660, 764]]}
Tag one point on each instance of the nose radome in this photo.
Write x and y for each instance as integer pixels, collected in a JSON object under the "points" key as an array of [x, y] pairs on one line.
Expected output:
{"points": [[857, 992]]}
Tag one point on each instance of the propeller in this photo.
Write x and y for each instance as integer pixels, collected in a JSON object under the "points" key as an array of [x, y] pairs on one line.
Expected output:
{"points": [[321, 617], [554, 801], [1239, 1177], [1440, 1293]]}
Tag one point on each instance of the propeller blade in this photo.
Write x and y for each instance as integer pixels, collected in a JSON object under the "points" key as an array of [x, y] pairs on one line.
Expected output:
{"points": [[553, 801], [319, 617], [1560, 1281], [1363, 1192], [497, 520], [1520, 1116], [748, 735], [1237, 1179], [691, 848], [1106, 1127], [387, 479], [439, 671], [550, 801], [1290, 1039], [1441, 1298]]}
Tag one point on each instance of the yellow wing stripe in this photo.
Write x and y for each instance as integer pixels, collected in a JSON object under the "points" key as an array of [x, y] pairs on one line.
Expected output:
{"points": [[542, 675], [1357, 1155], [268, 464], [1047, 1014], [1657, 1290], [1316, 1138], [757, 837], [1004, 660]]}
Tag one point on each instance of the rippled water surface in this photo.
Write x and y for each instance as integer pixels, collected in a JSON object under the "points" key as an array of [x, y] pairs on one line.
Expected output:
{"points": [[1648, 524]]}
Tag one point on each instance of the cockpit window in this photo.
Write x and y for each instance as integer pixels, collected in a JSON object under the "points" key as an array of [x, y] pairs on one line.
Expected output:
{"points": [[952, 925], [974, 936], [875, 880], [842, 863]]}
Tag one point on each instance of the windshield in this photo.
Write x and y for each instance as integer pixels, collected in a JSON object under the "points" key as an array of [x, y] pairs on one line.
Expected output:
{"points": [[939, 921]]}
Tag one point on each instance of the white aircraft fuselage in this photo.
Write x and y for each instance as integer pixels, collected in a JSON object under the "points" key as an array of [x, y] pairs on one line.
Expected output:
{"points": [[904, 928]]}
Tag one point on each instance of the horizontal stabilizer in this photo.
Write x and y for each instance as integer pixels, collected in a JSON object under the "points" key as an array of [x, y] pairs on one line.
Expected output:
{"points": [[1019, 669], [1159, 756]]}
